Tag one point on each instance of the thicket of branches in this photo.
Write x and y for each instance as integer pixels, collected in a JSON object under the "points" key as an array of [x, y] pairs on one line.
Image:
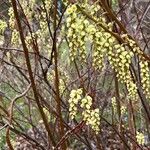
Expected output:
{"points": [[74, 74]]}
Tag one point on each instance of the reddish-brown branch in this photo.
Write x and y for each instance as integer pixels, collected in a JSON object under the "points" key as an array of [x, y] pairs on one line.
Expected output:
{"points": [[58, 99], [11, 116], [68, 133]]}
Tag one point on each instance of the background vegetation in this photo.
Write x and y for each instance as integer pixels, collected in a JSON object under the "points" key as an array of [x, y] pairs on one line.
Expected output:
{"points": [[74, 74]]}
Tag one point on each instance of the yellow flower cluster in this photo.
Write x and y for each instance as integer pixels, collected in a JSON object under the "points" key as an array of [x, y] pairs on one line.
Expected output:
{"points": [[63, 79], [82, 32], [28, 8], [140, 138], [103, 42], [114, 106], [86, 102], [123, 110], [15, 33], [15, 37], [96, 35], [11, 18], [145, 77], [48, 4], [92, 9], [120, 60], [3, 25], [75, 96], [72, 9], [91, 117], [76, 33], [132, 44], [33, 16]]}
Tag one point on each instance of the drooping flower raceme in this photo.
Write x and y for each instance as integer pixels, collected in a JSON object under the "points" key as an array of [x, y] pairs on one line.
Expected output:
{"points": [[90, 116], [75, 96], [145, 77]]}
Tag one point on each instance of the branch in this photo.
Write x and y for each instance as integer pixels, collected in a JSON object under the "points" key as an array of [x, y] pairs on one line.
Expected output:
{"points": [[4, 127], [70, 132], [11, 115]]}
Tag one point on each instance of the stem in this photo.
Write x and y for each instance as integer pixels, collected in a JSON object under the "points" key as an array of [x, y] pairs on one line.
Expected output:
{"points": [[58, 99]]}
